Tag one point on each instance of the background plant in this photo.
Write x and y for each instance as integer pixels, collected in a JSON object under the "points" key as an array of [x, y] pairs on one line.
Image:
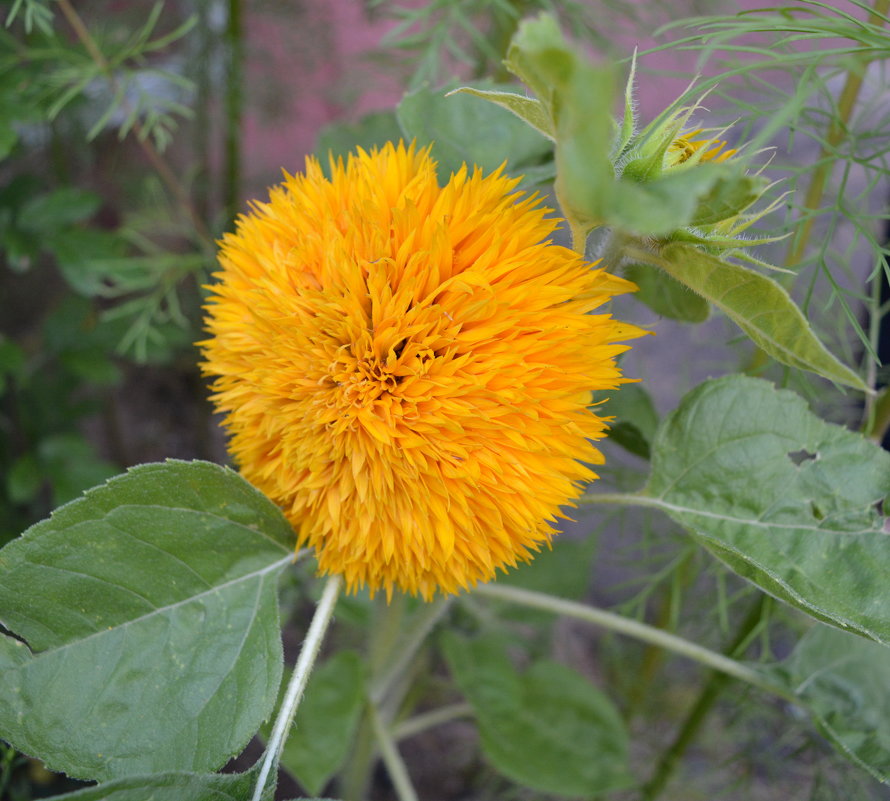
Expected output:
{"points": [[124, 260]]}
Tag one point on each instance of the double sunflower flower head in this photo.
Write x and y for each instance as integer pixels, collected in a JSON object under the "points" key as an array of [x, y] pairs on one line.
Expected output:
{"points": [[407, 369]]}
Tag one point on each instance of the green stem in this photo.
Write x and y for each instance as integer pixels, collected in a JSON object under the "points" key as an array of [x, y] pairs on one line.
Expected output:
{"points": [[308, 654], [878, 418], [390, 656], [395, 766], [428, 720], [635, 629], [667, 764], [409, 643], [234, 107], [579, 236]]}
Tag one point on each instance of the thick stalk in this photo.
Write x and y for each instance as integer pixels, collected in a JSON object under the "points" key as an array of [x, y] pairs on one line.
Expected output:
{"points": [[667, 764], [635, 629], [305, 662]]}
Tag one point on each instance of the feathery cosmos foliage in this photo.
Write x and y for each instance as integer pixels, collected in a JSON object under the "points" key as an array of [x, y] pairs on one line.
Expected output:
{"points": [[407, 368]]}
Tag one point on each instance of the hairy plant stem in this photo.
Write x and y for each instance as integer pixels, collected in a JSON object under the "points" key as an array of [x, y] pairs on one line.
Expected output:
{"points": [[715, 685], [308, 654], [390, 656], [635, 629], [157, 161], [395, 766]]}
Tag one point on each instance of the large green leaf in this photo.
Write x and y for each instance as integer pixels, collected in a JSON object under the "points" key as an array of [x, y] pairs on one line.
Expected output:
{"points": [[760, 307], [176, 786], [844, 681], [329, 712], [784, 498], [548, 729], [466, 129], [179, 786], [148, 623]]}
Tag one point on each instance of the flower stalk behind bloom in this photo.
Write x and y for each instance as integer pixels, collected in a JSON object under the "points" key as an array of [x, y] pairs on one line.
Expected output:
{"points": [[407, 368]]}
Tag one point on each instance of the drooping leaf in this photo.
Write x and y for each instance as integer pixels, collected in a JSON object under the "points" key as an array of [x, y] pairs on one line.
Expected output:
{"points": [[497, 135], [548, 729], [785, 499], [760, 307], [666, 296], [528, 109], [329, 713], [844, 682], [149, 621]]}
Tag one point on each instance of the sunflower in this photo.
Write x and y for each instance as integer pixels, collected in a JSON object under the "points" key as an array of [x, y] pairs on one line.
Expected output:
{"points": [[685, 147], [406, 369]]}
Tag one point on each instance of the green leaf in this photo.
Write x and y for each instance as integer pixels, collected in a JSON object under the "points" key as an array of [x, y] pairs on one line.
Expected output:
{"points": [[12, 357], [329, 712], [464, 130], [24, 479], [785, 499], [177, 786], [760, 307], [56, 210], [340, 139], [549, 729], [666, 296], [843, 682], [150, 624], [578, 98], [563, 570], [636, 419], [82, 254], [72, 466], [526, 108], [8, 139], [728, 196]]}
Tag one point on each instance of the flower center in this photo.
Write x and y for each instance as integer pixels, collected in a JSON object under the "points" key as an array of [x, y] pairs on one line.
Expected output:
{"points": [[360, 381]]}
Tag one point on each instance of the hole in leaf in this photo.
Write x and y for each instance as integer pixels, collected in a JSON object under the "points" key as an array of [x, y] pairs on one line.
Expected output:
{"points": [[801, 456]]}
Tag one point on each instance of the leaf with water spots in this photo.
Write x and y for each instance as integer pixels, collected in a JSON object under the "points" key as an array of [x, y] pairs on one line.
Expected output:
{"points": [[145, 624]]}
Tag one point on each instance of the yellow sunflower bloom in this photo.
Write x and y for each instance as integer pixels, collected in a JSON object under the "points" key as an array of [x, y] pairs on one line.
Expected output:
{"points": [[406, 369], [685, 147]]}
